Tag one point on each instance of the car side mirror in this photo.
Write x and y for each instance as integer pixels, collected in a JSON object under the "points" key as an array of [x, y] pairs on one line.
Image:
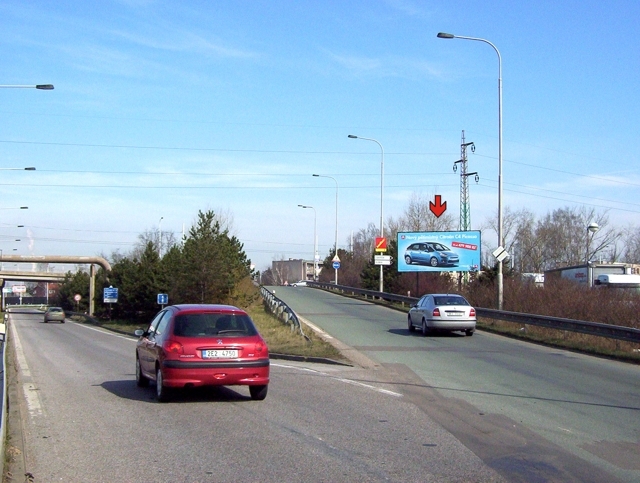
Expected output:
{"points": [[139, 332]]}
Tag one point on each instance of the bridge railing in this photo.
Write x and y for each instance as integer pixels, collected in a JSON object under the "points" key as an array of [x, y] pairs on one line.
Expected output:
{"points": [[617, 332]]}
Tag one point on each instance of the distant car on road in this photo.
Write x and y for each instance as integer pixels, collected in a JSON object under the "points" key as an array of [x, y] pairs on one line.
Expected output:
{"points": [[300, 283], [54, 314], [450, 312], [202, 345], [431, 253]]}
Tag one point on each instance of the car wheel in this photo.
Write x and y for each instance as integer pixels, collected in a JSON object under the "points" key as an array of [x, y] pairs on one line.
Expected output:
{"points": [[162, 392], [407, 259], [410, 325], [469, 332], [425, 329], [258, 393], [433, 262], [141, 380]]}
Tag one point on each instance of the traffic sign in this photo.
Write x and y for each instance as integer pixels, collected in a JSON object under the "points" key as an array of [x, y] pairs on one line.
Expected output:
{"points": [[500, 253], [381, 244], [382, 259], [110, 295], [336, 265], [163, 299], [19, 289]]}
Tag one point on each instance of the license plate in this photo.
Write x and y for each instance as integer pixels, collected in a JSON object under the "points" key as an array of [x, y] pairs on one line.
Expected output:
{"points": [[454, 313], [220, 354]]}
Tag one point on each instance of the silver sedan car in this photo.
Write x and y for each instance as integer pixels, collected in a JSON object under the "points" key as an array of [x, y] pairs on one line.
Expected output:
{"points": [[54, 314], [448, 312]]}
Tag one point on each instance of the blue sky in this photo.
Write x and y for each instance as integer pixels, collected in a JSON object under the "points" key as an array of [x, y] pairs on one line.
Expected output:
{"points": [[161, 109]]}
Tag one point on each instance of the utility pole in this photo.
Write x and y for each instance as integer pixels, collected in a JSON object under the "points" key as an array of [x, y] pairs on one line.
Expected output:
{"points": [[465, 207]]}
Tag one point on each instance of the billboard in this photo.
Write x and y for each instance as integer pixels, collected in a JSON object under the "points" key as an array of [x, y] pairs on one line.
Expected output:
{"points": [[439, 251]]}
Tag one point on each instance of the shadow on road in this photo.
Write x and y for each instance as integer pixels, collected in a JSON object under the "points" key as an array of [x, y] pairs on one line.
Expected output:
{"points": [[128, 389]]}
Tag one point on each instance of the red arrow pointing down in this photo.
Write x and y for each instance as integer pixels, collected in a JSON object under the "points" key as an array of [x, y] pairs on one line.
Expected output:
{"points": [[438, 207]]}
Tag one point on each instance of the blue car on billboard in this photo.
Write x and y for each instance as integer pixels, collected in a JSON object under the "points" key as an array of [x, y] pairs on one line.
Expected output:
{"points": [[430, 253]]}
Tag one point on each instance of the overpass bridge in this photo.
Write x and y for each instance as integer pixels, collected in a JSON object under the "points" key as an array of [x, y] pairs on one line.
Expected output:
{"points": [[25, 276]]}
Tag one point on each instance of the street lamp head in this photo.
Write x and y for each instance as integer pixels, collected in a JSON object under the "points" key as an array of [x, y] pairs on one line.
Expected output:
{"points": [[45, 87], [24, 207], [31, 168], [351, 136], [593, 227], [316, 175], [443, 35]]}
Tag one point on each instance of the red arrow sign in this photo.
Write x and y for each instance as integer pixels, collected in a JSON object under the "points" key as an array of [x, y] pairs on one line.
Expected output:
{"points": [[438, 207]]}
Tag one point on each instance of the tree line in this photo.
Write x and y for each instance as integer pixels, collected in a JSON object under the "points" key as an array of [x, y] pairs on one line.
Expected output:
{"points": [[559, 238], [208, 265]]}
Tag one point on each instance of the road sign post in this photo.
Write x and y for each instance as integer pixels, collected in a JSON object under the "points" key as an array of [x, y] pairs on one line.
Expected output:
{"points": [[110, 296]]}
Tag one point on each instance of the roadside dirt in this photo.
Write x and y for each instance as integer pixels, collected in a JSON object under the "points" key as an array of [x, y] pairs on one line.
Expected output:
{"points": [[15, 465]]}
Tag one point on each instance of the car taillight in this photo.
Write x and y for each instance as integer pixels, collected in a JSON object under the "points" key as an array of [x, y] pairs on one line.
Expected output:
{"points": [[259, 347], [472, 312], [436, 312], [173, 347]]}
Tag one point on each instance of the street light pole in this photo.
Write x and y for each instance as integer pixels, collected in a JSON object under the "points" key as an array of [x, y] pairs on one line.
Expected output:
{"points": [[42, 87], [315, 241], [335, 246], [593, 228], [443, 35], [351, 136], [160, 237]]}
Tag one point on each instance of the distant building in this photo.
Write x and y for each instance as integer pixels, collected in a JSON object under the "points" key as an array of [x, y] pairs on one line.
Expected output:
{"points": [[292, 270], [587, 274]]}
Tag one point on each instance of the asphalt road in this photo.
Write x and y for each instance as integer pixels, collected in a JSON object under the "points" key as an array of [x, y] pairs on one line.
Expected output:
{"points": [[83, 419], [530, 412]]}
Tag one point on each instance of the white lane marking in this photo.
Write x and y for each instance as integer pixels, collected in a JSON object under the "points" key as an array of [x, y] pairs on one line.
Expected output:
{"points": [[341, 379], [107, 332], [29, 389]]}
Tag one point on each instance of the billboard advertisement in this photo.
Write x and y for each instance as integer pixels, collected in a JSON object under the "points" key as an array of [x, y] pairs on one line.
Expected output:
{"points": [[439, 251]]}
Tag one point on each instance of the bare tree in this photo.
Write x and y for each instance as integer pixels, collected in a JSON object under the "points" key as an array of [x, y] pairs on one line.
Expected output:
{"points": [[632, 245], [417, 216]]}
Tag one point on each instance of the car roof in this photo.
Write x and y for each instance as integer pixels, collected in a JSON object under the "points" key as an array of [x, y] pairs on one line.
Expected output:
{"points": [[445, 295], [184, 308]]}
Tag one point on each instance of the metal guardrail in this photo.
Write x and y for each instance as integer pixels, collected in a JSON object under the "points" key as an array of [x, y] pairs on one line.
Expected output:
{"points": [[281, 310], [591, 328]]}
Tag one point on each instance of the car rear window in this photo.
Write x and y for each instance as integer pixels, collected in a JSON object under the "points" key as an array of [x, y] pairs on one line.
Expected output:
{"points": [[211, 324], [450, 300]]}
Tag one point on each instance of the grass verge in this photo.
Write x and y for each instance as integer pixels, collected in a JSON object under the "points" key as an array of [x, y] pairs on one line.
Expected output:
{"points": [[281, 338]]}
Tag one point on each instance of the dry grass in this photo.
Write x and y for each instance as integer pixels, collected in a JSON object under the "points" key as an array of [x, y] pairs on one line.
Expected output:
{"points": [[280, 337], [284, 339]]}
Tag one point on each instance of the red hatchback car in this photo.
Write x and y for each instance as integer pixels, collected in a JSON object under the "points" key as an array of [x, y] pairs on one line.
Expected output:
{"points": [[202, 345]]}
